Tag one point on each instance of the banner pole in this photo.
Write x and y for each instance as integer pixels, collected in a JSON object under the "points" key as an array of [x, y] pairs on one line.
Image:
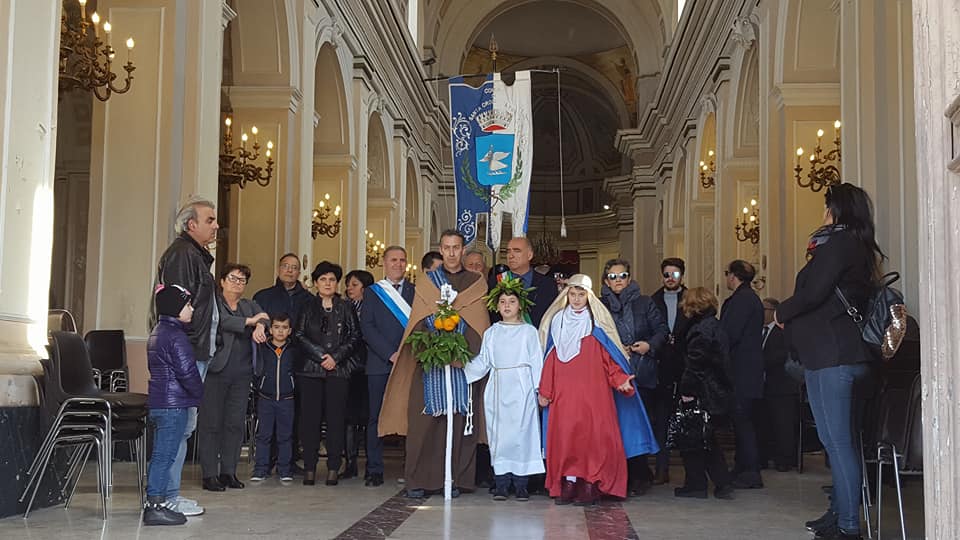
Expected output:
{"points": [[448, 457]]}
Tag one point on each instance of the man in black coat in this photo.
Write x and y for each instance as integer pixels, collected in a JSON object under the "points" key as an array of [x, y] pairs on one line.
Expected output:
{"points": [[382, 322], [742, 321], [287, 295], [781, 395], [519, 255], [670, 356]]}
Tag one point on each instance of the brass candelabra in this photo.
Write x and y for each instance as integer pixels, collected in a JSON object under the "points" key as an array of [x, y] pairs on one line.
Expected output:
{"points": [[86, 60], [708, 171], [823, 173], [321, 214], [748, 223], [237, 164]]}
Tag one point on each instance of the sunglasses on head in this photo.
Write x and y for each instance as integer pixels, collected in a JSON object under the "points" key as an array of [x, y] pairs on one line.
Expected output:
{"points": [[674, 275], [621, 275]]}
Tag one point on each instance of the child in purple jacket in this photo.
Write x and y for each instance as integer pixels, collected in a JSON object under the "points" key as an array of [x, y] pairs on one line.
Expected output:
{"points": [[175, 386]]}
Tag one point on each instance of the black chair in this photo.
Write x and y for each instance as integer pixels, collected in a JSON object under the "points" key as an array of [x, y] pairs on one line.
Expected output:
{"points": [[108, 355], [900, 442], [61, 320], [84, 417]]}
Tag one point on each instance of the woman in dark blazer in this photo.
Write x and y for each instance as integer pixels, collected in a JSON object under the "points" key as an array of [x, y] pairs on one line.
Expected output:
{"points": [[842, 253], [705, 378], [227, 385], [329, 336]]}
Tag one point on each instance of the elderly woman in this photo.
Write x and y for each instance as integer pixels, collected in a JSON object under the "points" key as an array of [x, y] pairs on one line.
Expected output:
{"points": [[227, 386], [705, 379], [329, 336], [357, 407], [643, 332]]}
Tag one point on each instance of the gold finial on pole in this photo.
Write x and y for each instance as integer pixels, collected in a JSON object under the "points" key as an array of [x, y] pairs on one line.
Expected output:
{"points": [[493, 47]]}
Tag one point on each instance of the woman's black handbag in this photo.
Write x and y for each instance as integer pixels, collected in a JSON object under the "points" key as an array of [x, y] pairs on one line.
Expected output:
{"points": [[689, 428]]}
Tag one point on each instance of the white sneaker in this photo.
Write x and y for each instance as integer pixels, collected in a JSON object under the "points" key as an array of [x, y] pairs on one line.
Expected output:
{"points": [[256, 478], [187, 507], [286, 479]]}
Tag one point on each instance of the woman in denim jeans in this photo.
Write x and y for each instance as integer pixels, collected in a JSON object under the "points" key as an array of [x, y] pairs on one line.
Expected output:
{"points": [[842, 253]]}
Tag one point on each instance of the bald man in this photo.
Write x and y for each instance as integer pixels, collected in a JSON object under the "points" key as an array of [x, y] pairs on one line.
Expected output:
{"points": [[519, 257]]}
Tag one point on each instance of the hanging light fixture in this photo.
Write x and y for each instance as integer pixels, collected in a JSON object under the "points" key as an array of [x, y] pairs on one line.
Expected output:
{"points": [[748, 223], [823, 173], [545, 250], [86, 60]]}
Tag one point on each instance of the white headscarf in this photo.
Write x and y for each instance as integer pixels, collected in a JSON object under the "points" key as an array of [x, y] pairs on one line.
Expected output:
{"points": [[568, 329], [557, 311]]}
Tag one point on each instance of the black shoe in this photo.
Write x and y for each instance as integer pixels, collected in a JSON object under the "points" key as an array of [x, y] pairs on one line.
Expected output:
{"points": [[309, 478], [212, 483], [500, 495], [725, 493], [828, 518], [523, 494], [827, 489], [350, 470], [156, 513], [231, 481], [747, 481], [641, 488], [332, 478], [690, 493], [416, 494], [374, 480]]}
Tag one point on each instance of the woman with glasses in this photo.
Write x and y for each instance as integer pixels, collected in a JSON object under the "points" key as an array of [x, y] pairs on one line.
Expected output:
{"points": [[643, 332], [842, 255], [329, 336], [227, 386]]}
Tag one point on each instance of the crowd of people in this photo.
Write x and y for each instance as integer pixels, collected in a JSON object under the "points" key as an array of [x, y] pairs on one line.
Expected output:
{"points": [[570, 389]]}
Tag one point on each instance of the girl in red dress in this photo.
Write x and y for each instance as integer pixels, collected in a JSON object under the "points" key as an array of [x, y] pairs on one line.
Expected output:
{"points": [[585, 451]]}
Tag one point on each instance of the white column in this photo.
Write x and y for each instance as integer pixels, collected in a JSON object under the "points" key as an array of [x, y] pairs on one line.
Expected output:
{"points": [[28, 108], [646, 259], [936, 92]]}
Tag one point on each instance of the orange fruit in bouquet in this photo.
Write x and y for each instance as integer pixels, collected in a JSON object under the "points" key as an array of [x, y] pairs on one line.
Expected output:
{"points": [[449, 324], [438, 323], [455, 318]]}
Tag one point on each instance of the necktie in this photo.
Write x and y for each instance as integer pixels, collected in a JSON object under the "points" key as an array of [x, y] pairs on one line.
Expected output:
{"points": [[763, 338], [398, 287]]}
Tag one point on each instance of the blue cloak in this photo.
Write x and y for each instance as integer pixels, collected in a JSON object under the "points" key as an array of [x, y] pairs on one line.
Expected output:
{"points": [[635, 430]]}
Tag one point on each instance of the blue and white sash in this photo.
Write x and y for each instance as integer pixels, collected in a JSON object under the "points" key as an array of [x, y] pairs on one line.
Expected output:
{"points": [[393, 300]]}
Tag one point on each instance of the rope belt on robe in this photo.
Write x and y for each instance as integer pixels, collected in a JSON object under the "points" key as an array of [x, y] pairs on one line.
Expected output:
{"points": [[434, 387]]}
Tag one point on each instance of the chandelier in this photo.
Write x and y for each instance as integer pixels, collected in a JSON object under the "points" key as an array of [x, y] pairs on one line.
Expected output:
{"points": [[822, 172], [236, 165], [86, 61], [748, 224], [374, 251], [545, 250], [708, 172], [411, 273], [321, 214]]}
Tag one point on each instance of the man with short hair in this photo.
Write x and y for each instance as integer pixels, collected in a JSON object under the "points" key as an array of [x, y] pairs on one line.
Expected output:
{"points": [[742, 320], [287, 295], [475, 261], [187, 262], [781, 394], [383, 319], [431, 261], [519, 256], [409, 410]]}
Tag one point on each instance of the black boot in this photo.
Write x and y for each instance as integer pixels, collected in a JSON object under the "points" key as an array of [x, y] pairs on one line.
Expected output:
{"points": [[155, 512], [352, 452]]}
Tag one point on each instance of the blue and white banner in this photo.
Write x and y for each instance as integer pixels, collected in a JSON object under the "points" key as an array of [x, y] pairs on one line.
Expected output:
{"points": [[491, 132]]}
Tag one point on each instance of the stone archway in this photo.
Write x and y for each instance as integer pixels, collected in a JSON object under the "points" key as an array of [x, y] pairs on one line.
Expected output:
{"points": [[382, 195]]}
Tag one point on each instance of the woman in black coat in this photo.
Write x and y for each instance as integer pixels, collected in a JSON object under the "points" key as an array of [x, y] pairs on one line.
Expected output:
{"points": [[843, 254], [705, 378], [329, 336]]}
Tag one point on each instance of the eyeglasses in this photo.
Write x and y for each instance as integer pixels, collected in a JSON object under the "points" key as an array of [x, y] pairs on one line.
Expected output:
{"points": [[294, 267], [239, 280], [621, 275], [726, 272], [673, 275]]}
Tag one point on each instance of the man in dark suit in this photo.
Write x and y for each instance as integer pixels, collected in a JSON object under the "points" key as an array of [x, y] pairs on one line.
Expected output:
{"points": [[781, 395], [519, 255], [386, 308], [669, 357], [742, 321]]}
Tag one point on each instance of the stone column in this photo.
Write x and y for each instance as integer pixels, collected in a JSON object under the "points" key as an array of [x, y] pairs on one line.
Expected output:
{"points": [[936, 30], [646, 258]]}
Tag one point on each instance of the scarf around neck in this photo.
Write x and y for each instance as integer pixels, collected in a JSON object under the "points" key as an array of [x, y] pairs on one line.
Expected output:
{"points": [[822, 236], [568, 330], [621, 307]]}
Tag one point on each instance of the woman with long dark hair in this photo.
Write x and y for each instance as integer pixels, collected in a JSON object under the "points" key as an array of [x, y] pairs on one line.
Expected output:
{"points": [[843, 254]]}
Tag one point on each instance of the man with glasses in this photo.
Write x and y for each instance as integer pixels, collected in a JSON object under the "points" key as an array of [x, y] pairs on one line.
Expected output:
{"points": [[643, 333], [669, 357], [741, 319]]}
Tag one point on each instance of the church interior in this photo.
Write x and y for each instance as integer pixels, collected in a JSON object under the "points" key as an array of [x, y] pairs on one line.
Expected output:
{"points": [[322, 128]]}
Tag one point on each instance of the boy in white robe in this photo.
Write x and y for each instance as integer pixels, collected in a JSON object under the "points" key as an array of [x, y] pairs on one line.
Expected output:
{"points": [[511, 353]]}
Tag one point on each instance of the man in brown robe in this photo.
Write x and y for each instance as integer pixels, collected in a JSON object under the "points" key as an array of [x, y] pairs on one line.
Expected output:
{"points": [[403, 403]]}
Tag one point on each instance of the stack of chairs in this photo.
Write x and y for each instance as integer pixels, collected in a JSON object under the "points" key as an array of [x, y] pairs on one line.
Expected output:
{"points": [[899, 441], [108, 355], [85, 418]]}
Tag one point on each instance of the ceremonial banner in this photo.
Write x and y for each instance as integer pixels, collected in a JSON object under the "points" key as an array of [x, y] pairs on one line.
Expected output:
{"points": [[491, 131]]}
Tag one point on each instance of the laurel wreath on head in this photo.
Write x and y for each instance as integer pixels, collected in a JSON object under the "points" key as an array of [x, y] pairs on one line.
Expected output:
{"points": [[506, 191], [511, 286]]}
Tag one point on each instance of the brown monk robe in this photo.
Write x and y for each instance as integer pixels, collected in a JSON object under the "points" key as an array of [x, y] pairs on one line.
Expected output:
{"points": [[402, 411]]}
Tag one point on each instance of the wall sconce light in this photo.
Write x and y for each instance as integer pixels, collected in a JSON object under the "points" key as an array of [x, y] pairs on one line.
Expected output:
{"points": [[822, 173], [374, 251], [236, 164], [321, 214], [748, 224], [411, 273], [708, 171]]}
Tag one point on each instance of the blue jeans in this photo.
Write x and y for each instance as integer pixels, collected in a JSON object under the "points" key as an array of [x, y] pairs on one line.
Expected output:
{"points": [[376, 386], [173, 488], [837, 407], [274, 414], [168, 431]]}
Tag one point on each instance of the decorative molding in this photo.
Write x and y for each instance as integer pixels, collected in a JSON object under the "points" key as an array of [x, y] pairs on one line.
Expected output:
{"points": [[953, 113], [835, 7], [329, 31], [708, 104], [228, 14], [743, 33], [264, 97], [806, 94]]}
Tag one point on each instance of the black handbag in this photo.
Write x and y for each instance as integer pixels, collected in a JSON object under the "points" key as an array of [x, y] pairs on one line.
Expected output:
{"points": [[884, 324], [690, 428]]}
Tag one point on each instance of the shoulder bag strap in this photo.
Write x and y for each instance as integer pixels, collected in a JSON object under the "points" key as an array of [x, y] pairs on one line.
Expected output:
{"points": [[852, 311]]}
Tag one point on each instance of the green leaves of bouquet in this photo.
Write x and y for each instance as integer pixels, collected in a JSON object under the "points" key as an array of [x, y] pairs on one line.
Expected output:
{"points": [[439, 349]]}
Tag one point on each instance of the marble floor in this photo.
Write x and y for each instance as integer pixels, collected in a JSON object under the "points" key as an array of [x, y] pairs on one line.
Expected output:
{"points": [[352, 511]]}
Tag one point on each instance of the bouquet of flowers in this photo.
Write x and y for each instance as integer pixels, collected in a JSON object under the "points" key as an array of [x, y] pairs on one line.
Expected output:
{"points": [[444, 344]]}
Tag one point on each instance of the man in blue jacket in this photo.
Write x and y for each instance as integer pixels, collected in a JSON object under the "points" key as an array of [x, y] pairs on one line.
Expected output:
{"points": [[386, 310], [742, 321], [287, 295]]}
